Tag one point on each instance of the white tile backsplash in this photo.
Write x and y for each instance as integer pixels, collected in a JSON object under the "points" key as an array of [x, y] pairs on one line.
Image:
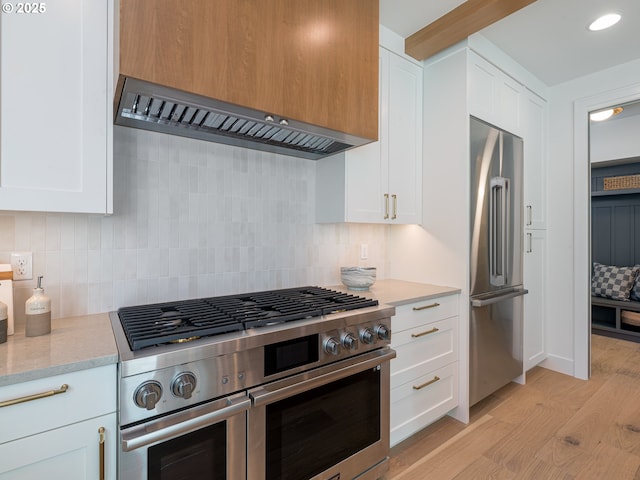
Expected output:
{"points": [[191, 219]]}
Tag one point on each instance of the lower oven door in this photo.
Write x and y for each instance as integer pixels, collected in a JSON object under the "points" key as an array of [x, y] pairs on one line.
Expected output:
{"points": [[329, 423], [205, 441]]}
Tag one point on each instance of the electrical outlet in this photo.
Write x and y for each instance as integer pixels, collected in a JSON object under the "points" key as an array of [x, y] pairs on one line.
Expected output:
{"points": [[22, 265], [364, 251]]}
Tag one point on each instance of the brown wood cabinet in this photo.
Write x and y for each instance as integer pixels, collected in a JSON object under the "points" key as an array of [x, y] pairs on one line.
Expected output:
{"points": [[314, 61]]}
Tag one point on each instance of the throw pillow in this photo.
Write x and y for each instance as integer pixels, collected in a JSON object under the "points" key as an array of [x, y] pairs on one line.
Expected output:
{"points": [[635, 290], [613, 282]]}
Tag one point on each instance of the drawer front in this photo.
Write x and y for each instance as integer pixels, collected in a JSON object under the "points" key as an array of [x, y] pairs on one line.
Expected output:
{"points": [[420, 313], [412, 409], [90, 393], [423, 349]]}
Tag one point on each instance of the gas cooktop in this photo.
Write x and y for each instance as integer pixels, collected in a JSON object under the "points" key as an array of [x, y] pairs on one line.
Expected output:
{"points": [[179, 321]]}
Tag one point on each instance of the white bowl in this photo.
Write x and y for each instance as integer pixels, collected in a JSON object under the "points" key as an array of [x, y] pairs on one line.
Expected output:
{"points": [[358, 278]]}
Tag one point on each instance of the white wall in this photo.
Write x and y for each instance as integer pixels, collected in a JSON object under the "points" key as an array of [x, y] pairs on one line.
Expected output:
{"points": [[568, 217], [191, 219], [615, 139]]}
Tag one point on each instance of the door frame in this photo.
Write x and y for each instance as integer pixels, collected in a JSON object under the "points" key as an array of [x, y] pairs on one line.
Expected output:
{"points": [[582, 219]]}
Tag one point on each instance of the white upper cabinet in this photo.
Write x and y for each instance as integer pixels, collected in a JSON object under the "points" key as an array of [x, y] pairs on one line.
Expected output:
{"points": [[380, 182], [403, 148], [56, 94], [494, 96], [535, 163]]}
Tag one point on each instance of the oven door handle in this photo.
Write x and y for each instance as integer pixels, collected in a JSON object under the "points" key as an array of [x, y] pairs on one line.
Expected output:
{"points": [[300, 383], [182, 423]]}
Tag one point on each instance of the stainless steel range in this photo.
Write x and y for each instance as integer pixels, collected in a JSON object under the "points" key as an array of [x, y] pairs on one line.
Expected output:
{"points": [[284, 384]]}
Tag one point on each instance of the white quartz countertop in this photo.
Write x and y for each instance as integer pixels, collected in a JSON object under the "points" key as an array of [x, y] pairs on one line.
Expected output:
{"points": [[78, 343], [399, 292], [75, 343]]}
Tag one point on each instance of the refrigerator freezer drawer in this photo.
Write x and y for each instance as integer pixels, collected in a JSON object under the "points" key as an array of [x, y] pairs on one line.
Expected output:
{"points": [[495, 344]]}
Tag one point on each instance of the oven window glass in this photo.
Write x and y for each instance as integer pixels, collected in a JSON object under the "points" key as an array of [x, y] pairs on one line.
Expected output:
{"points": [[312, 431], [201, 454]]}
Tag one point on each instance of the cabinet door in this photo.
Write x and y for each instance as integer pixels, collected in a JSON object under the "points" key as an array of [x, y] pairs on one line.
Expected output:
{"points": [[55, 107], [366, 167], [403, 146], [535, 259], [71, 452], [535, 161], [494, 96], [382, 180]]}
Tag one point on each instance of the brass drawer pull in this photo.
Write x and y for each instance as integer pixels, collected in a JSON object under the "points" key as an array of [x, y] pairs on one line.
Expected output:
{"points": [[422, 334], [395, 206], [101, 471], [426, 384], [36, 396], [433, 305], [386, 206]]}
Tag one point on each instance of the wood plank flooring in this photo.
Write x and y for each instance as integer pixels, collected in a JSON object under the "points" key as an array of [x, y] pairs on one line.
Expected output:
{"points": [[554, 427]]}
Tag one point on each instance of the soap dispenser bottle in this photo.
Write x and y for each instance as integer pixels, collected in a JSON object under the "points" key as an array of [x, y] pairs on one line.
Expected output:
{"points": [[4, 321], [38, 312]]}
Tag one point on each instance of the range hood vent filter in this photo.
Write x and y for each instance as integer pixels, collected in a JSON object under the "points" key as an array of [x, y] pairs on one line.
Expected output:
{"points": [[152, 107]]}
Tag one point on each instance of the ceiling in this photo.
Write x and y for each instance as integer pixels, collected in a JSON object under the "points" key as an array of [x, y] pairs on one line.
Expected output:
{"points": [[549, 37]]}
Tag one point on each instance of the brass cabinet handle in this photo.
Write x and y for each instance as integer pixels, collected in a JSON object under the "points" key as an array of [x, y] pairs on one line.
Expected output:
{"points": [[395, 206], [424, 307], [422, 334], [386, 206], [101, 471], [426, 384], [35, 396]]}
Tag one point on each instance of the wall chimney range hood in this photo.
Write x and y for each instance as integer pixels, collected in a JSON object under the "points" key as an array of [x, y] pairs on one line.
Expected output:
{"points": [[149, 106]]}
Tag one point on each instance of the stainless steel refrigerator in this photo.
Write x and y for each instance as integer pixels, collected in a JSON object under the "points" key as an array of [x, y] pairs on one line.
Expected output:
{"points": [[496, 290]]}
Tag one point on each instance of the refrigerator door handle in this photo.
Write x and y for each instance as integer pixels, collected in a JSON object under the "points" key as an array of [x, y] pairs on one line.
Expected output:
{"points": [[483, 302], [498, 230]]}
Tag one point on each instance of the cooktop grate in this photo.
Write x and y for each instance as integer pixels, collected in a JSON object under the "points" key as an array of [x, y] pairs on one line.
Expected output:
{"points": [[156, 324]]}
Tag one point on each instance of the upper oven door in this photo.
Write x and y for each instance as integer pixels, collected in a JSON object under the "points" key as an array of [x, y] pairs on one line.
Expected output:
{"points": [[205, 441], [331, 422]]}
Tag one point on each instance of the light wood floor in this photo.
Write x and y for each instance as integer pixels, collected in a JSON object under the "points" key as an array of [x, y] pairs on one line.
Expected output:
{"points": [[554, 427]]}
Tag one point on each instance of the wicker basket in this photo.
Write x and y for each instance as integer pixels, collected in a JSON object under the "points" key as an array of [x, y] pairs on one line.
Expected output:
{"points": [[621, 183], [630, 318]]}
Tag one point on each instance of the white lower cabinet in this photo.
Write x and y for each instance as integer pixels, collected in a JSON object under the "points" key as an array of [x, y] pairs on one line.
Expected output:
{"points": [[425, 372], [70, 452], [535, 259], [70, 434]]}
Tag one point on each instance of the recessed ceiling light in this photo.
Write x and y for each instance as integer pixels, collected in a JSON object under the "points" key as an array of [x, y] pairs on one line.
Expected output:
{"points": [[605, 114], [604, 21]]}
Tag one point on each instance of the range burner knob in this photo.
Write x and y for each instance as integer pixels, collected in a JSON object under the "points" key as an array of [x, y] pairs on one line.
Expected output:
{"points": [[184, 385], [383, 332], [367, 335], [148, 395], [332, 346], [349, 341]]}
